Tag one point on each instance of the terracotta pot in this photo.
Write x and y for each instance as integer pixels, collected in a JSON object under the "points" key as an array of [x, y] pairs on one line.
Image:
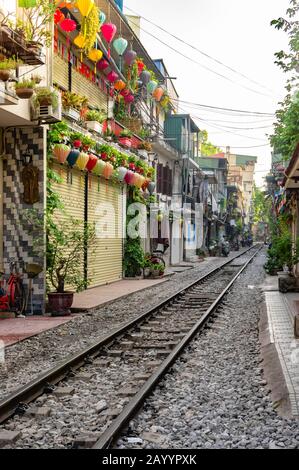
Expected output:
{"points": [[45, 101], [60, 303], [4, 75], [24, 93]]}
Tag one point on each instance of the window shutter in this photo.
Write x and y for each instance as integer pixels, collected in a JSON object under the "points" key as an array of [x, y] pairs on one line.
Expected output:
{"points": [[159, 177], [169, 193]]}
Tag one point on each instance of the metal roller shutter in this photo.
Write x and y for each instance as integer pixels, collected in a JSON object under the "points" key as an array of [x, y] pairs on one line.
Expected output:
{"points": [[72, 195], [60, 72], [105, 210], [85, 87]]}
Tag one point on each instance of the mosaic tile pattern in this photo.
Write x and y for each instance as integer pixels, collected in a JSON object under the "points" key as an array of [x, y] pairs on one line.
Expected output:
{"points": [[17, 236]]}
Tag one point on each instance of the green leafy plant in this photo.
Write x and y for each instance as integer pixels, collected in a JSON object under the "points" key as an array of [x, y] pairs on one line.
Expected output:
{"points": [[67, 240], [9, 64], [25, 84], [73, 100], [36, 22], [45, 93], [94, 115], [126, 133], [145, 146]]}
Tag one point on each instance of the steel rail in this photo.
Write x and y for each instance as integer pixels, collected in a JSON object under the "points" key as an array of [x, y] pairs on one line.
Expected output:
{"points": [[42, 383], [113, 431]]}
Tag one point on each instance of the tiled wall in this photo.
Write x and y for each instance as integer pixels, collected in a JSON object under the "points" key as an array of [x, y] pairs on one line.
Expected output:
{"points": [[17, 236]]}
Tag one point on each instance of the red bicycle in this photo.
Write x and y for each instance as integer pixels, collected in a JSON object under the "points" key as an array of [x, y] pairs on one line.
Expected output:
{"points": [[12, 291]]}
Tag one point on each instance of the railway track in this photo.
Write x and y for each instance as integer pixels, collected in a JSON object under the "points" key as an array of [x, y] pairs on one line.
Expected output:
{"points": [[125, 365]]}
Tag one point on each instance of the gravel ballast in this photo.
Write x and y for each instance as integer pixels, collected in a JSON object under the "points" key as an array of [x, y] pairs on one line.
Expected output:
{"points": [[215, 396], [29, 358]]}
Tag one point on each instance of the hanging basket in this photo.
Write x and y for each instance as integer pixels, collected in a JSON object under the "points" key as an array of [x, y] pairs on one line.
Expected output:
{"points": [[4, 75], [24, 93]]}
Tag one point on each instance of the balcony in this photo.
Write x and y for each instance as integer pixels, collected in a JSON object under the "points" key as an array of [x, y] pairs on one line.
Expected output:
{"points": [[13, 44], [181, 133]]}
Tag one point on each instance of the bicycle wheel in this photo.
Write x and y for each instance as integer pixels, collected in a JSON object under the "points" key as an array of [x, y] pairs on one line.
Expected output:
{"points": [[20, 298]]}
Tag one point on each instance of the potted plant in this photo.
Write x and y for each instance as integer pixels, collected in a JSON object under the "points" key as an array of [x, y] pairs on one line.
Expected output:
{"points": [[36, 79], [66, 241], [109, 135], [125, 138], [6, 66], [36, 25], [143, 148], [94, 120], [24, 89], [72, 104], [45, 96]]}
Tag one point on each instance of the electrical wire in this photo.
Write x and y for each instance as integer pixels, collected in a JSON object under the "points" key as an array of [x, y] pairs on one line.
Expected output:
{"points": [[198, 63], [201, 52], [208, 107]]}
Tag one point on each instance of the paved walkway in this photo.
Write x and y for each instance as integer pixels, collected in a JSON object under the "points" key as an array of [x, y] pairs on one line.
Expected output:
{"points": [[99, 296], [281, 311], [13, 330]]}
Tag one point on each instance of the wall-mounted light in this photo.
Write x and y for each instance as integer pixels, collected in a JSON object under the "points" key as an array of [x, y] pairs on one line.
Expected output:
{"points": [[26, 157]]}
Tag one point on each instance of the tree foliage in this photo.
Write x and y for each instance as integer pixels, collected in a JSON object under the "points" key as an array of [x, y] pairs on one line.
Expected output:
{"points": [[286, 128], [207, 148], [261, 206]]}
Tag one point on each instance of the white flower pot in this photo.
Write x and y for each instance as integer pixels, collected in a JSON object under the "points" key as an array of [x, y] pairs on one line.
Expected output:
{"points": [[94, 126], [72, 113]]}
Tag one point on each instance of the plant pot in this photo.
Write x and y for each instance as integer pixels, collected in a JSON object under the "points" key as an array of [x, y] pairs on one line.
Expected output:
{"points": [[125, 141], [24, 93], [45, 101], [35, 47], [4, 75], [72, 113], [60, 303], [94, 126]]}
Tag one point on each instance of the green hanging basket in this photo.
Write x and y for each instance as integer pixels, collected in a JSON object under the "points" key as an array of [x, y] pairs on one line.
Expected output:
{"points": [[27, 3]]}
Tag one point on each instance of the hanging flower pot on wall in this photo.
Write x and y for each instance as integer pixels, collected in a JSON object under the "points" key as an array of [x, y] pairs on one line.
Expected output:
{"points": [[61, 152]]}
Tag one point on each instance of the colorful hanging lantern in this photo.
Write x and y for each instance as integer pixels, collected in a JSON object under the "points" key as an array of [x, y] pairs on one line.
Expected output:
{"points": [[79, 41], [58, 16], [103, 64], [109, 31], [121, 173], [85, 6], [145, 77], [139, 180], [27, 3], [102, 17], [73, 157], [82, 161], [145, 184], [95, 55], [61, 152], [120, 45], [112, 76], [129, 98], [129, 57], [119, 85], [140, 66], [99, 168], [108, 171], [158, 93], [151, 187], [129, 177], [151, 86], [68, 25], [93, 160]]}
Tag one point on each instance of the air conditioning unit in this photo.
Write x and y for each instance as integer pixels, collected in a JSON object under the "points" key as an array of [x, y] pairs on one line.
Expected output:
{"points": [[47, 114]]}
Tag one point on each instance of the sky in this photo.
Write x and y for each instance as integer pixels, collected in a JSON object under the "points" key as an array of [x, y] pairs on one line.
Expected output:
{"points": [[238, 34]]}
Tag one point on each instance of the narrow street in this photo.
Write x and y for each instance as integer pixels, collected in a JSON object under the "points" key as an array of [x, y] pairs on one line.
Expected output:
{"points": [[149, 228]]}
